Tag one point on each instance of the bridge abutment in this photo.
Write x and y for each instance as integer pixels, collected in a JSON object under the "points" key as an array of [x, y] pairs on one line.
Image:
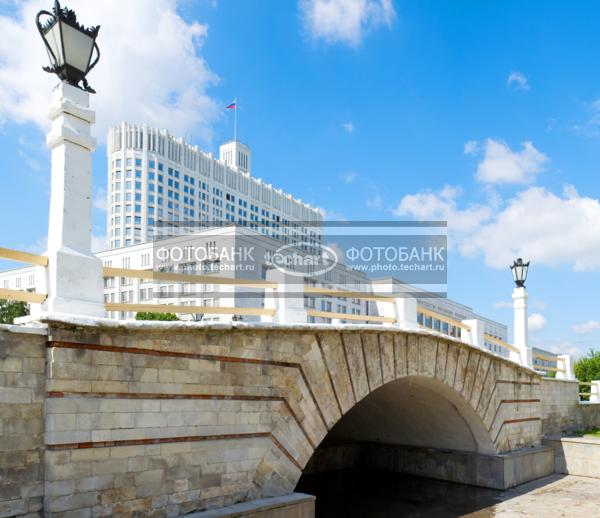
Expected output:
{"points": [[500, 471]]}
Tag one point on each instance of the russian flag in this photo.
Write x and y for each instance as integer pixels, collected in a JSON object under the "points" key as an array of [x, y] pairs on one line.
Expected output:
{"points": [[232, 106]]}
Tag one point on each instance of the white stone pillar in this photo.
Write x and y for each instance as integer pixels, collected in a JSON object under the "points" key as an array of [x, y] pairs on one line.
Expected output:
{"points": [[595, 392], [287, 299], [403, 308], [521, 326], [75, 283], [226, 299], [41, 286], [567, 365], [515, 356], [476, 332], [406, 312]]}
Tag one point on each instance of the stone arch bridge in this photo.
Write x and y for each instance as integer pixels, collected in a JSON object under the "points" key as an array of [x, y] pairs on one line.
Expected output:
{"points": [[164, 419]]}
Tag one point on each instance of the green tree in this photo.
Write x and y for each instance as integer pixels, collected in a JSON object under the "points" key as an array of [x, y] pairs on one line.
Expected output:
{"points": [[143, 315], [11, 309], [588, 369]]}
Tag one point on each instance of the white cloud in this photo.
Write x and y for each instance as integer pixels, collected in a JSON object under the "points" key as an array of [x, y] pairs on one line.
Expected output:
{"points": [[332, 215], [149, 69], [563, 347], [517, 80], [536, 322], [471, 147], [442, 206], [535, 224], [39, 247], [591, 127], [31, 162], [99, 243], [349, 177], [344, 21], [349, 127], [100, 200], [586, 327], [501, 165], [375, 202], [503, 304], [539, 225]]}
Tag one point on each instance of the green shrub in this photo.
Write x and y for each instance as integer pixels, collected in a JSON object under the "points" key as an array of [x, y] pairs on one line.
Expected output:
{"points": [[587, 369], [156, 316], [11, 309]]}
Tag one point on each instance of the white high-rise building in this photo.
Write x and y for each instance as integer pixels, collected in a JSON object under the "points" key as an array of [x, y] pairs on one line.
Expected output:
{"points": [[160, 184]]}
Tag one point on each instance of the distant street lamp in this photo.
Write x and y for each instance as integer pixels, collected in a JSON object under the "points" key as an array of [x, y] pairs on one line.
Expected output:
{"points": [[74, 274], [521, 323], [69, 45], [519, 272]]}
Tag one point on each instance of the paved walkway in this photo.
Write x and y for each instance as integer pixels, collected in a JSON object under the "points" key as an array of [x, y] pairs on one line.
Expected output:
{"points": [[555, 496]]}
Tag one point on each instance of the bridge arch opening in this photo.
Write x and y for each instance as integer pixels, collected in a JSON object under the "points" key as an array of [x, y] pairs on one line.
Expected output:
{"points": [[414, 411], [411, 427]]}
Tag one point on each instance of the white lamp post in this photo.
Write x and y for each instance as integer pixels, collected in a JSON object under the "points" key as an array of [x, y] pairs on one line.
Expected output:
{"points": [[75, 283], [521, 335]]}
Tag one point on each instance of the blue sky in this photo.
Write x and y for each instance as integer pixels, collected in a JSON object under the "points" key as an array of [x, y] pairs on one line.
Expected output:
{"points": [[483, 113]]}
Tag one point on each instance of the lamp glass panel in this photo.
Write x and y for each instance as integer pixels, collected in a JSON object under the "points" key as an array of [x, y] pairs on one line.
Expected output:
{"points": [[514, 273], [54, 41], [519, 270], [78, 47], [525, 268]]}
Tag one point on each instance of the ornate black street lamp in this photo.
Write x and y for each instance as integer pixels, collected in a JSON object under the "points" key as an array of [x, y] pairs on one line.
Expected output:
{"points": [[519, 272], [69, 45]]}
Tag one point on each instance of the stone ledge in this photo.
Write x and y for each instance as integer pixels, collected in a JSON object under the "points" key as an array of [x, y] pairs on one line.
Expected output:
{"points": [[577, 440], [576, 455], [279, 506], [25, 330], [70, 321]]}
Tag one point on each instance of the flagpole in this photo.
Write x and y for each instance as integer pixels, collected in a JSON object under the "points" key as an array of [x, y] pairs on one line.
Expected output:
{"points": [[235, 120]]}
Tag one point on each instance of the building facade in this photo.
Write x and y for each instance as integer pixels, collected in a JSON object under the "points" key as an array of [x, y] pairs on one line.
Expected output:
{"points": [[159, 184]]}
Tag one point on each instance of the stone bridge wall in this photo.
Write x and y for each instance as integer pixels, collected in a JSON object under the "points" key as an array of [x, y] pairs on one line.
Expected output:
{"points": [[22, 395], [561, 411], [165, 419]]}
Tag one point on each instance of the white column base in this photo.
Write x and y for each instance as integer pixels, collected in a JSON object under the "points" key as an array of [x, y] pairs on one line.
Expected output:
{"points": [[476, 333], [75, 283], [403, 308], [595, 394], [406, 308], [567, 365], [527, 357], [286, 299]]}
